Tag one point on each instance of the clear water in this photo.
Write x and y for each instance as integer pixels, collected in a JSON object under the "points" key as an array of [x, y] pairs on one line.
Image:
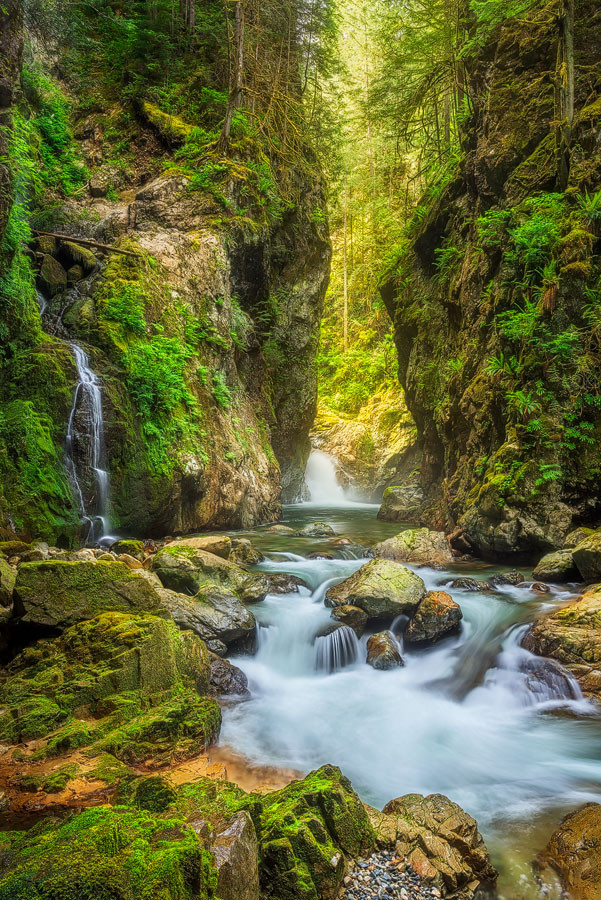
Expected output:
{"points": [[465, 717]]}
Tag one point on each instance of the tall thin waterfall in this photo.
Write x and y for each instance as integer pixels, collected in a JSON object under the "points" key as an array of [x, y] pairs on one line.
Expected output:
{"points": [[88, 401], [321, 479]]}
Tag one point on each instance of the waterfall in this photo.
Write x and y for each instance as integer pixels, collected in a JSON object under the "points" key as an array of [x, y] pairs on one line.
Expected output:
{"points": [[41, 301], [336, 650], [88, 397], [321, 480]]}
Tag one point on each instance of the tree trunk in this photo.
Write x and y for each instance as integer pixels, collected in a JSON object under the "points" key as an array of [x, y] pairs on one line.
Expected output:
{"points": [[236, 78], [345, 273]]}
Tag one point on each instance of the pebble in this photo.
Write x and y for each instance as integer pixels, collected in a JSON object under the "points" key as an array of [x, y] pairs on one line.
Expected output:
{"points": [[380, 878]]}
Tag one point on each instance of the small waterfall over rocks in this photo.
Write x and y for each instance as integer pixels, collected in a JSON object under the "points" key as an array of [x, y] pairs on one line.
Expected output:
{"points": [[321, 479], [92, 492], [336, 650]]}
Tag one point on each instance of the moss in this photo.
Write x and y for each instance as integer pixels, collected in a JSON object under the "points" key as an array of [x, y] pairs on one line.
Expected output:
{"points": [[13, 548], [52, 275], [173, 129], [133, 548], [153, 794], [109, 769], [106, 854], [58, 781], [80, 255]]}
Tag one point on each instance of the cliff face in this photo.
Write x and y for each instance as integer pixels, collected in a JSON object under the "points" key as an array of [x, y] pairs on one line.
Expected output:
{"points": [[202, 335], [496, 304]]}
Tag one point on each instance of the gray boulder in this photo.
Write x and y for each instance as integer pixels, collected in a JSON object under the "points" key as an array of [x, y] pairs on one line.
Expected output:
{"points": [[557, 566], [186, 569], [215, 614], [419, 546]]}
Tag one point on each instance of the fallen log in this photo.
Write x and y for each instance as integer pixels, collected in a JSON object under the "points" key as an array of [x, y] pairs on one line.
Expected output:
{"points": [[87, 242]]}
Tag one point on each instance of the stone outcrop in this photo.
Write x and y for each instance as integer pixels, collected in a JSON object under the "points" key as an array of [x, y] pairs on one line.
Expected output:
{"points": [[382, 589], [439, 841], [573, 853], [587, 557], [572, 636], [186, 569], [491, 409], [401, 504], [436, 616], [416, 545], [556, 566], [214, 613]]}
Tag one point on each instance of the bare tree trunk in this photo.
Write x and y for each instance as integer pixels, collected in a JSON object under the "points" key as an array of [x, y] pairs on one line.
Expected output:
{"points": [[235, 94], [345, 273]]}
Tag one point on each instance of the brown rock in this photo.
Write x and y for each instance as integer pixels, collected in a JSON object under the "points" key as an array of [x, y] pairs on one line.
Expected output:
{"points": [[383, 652], [219, 545], [352, 616], [437, 615], [284, 584], [226, 679], [574, 853]]}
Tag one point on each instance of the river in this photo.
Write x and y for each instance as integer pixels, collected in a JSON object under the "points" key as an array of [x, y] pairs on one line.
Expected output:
{"points": [[467, 717]]}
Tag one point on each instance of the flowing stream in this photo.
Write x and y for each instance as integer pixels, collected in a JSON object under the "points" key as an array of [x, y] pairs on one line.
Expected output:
{"points": [[87, 408], [476, 717]]}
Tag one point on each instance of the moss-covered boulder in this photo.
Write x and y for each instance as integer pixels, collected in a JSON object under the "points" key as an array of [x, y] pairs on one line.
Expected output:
{"points": [[8, 576], [383, 589], [13, 548], [306, 830], [214, 613], [107, 854], [53, 277], [129, 548], [574, 853], [79, 255], [576, 537], [137, 678], [401, 504], [587, 557], [436, 616], [572, 636], [419, 546], [558, 566], [57, 594], [218, 544], [186, 570], [439, 841]]}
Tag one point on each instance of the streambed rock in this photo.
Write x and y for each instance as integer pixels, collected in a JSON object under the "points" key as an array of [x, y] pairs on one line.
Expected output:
{"points": [[470, 584], [226, 679], [436, 616], [572, 636], [284, 583], [438, 840], [557, 566], [218, 544], [574, 853], [58, 594], [8, 576], [587, 557], [317, 529], [215, 614], [186, 569], [419, 546], [383, 589], [401, 504], [383, 652], [352, 616]]}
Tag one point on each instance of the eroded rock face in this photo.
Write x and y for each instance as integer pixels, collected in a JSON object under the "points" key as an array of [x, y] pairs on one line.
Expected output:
{"points": [[419, 546], [8, 576], [440, 841], [382, 589], [558, 566], [235, 853], [401, 504], [382, 651], [57, 594], [436, 616], [572, 636], [574, 853]]}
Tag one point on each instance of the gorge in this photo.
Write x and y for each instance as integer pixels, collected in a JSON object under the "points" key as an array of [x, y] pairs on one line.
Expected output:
{"points": [[300, 540]]}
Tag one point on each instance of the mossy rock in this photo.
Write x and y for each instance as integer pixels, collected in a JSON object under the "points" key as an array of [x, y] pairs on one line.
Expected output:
{"points": [[173, 129], [74, 274], [419, 546], [587, 557], [558, 566], [118, 668], [52, 276], [383, 589], [80, 256], [131, 547], [57, 594], [106, 854], [186, 570], [13, 548], [8, 576]]}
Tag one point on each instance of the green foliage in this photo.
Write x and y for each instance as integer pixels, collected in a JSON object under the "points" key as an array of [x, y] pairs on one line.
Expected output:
{"points": [[126, 304], [155, 375], [222, 394], [590, 206], [348, 379]]}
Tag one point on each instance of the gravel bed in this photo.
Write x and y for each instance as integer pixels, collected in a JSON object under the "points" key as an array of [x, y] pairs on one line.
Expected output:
{"points": [[381, 876]]}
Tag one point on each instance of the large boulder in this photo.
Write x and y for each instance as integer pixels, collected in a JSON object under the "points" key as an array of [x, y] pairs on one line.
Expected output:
{"points": [[419, 546], [574, 853], [587, 557], [227, 679], [57, 594], [131, 685], [109, 853], [235, 856], [557, 566], [382, 651], [439, 841], [218, 544], [215, 614], [436, 616], [317, 529], [401, 504], [307, 830], [576, 537], [8, 576], [382, 589], [572, 636], [186, 569]]}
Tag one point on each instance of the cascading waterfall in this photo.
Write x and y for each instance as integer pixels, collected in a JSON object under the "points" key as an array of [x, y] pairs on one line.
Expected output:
{"points": [[336, 650], [88, 399], [321, 480]]}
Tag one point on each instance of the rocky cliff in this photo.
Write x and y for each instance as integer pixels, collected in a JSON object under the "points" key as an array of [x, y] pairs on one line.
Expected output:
{"points": [[496, 301], [199, 316]]}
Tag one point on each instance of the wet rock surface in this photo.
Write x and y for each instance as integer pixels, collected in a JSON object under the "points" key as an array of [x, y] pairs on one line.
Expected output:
{"points": [[557, 566], [574, 853], [383, 651], [382, 589], [437, 615]]}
